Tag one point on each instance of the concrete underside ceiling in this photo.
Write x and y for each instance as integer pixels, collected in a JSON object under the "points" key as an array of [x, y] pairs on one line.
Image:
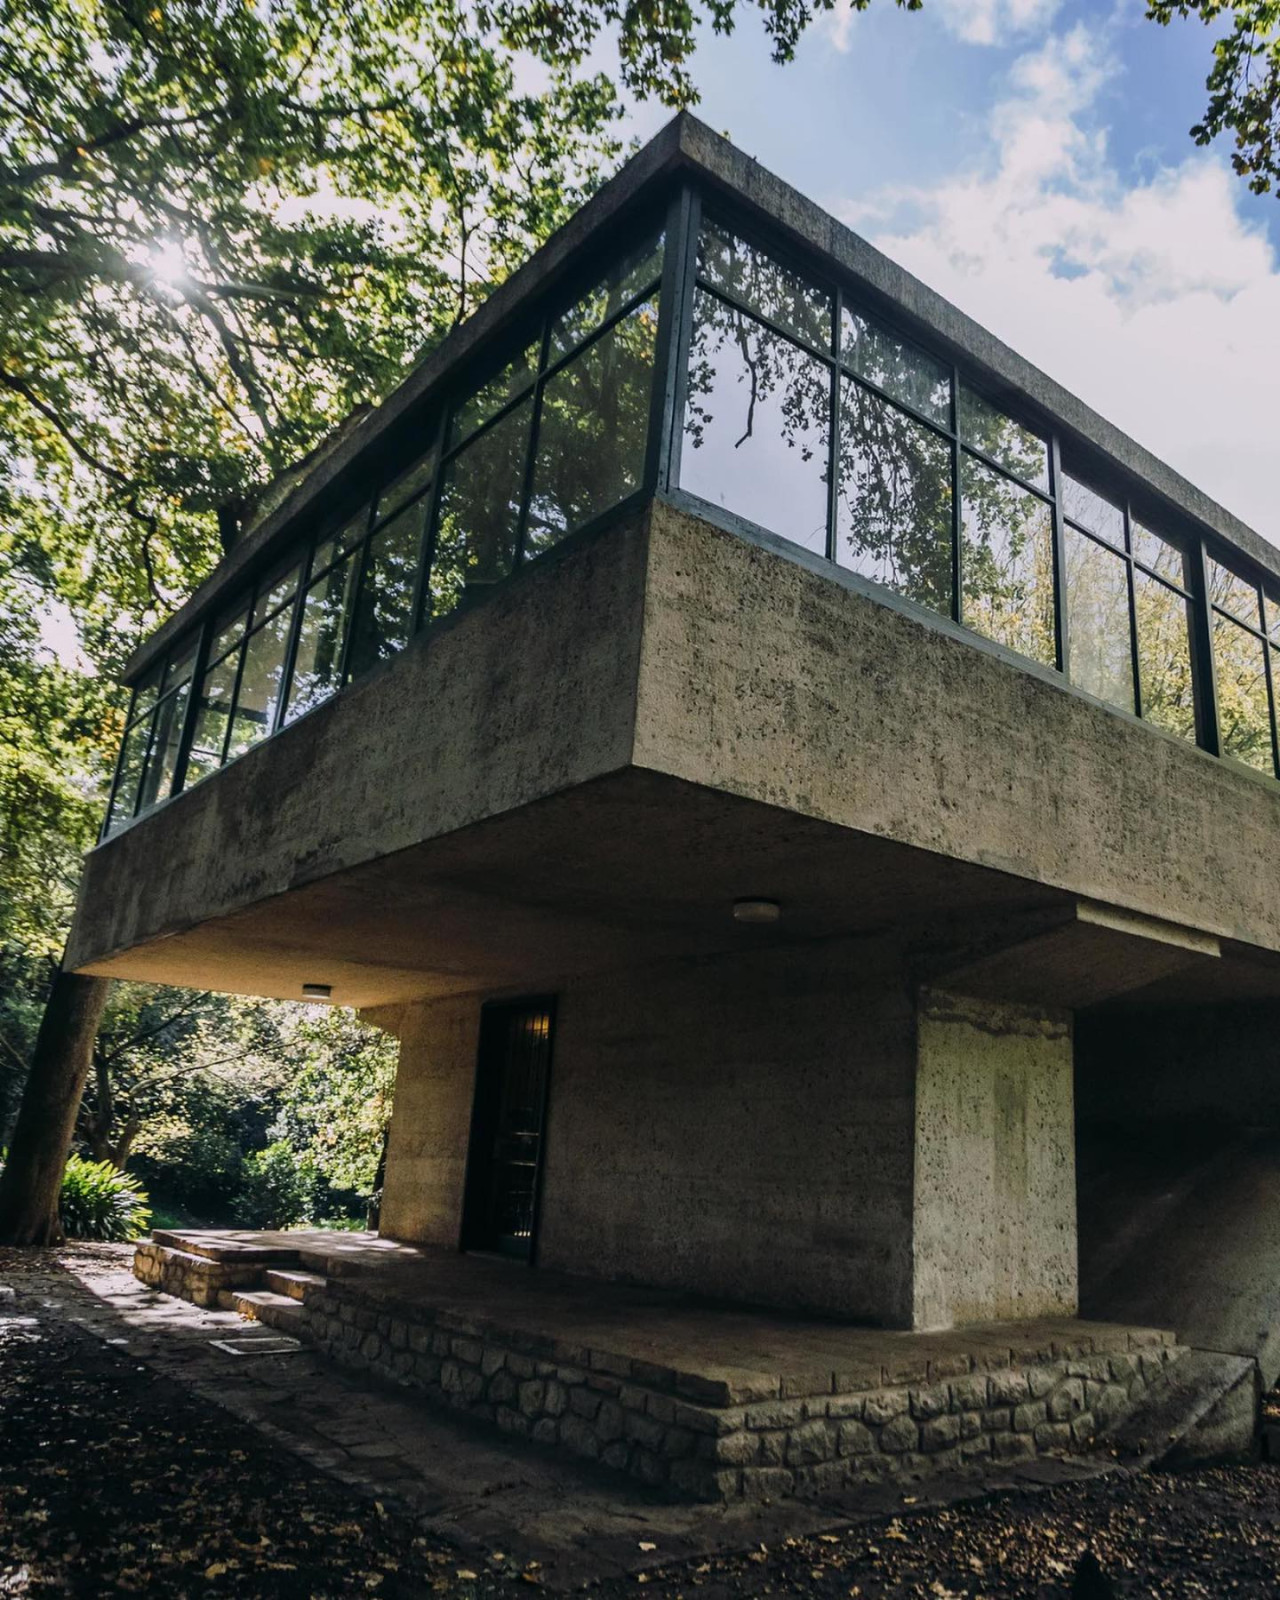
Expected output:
{"points": [[635, 867]]}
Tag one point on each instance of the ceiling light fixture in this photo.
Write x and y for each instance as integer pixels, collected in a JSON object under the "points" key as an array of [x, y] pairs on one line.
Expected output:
{"points": [[757, 912], [317, 991]]}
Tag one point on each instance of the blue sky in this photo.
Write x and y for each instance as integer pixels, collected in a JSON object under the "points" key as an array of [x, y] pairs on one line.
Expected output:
{"points": [[1031, 160]]}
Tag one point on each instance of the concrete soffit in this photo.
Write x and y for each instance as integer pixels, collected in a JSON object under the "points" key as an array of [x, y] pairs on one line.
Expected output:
{"points": [[690, 148], [1081, 956]]}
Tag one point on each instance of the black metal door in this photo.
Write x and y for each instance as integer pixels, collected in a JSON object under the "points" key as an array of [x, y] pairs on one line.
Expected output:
{"points": [[506, 1128]]}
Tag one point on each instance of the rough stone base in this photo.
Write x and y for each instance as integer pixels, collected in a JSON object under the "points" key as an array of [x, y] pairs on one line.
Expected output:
{"points": [[189, 1277]]}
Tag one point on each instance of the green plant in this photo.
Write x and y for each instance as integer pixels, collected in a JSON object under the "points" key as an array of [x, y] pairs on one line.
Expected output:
{"points": [[100, 1202], [279, 1187]]}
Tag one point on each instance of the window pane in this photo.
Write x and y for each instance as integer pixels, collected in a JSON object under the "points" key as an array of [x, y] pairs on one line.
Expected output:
{"points": [[1235, 594], [1164, 656], [898, 368], [1244, 710], [277, 592], [893, 514], [1273, 614], [1016, 448], [1098, 620], [326, 613], [126, 795], [1156, 552], [260, 683], [592, 432], [479, 509], [227, 632], [756, 424], [1007, 562], [490, 397], [1089, 509], [408, 486], [163, 761], [634, 272], [211, 718], [384, 611], [775, 291], [144, 696], [180, 665]]}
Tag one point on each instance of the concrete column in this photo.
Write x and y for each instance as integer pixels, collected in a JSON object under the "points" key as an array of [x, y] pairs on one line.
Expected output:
{"points": [[431, 1120], [994, 1232]]}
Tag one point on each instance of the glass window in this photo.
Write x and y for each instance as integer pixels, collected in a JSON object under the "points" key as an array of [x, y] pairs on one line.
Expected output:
{"points": [[163, 760], [408, 486], [276, 592], [1164, 656], [1155, 551], [384, 609], [893, 514], [228, 632], [1007, 442], [592, 429], [785, 297], [480, 496], [212, 713], [1272, 598], [326, 614], [898, 368], [1244, 707], [260, 684], [131, 761], [490, 397], [179, 667], [640, 269], [144, 696], [756, 424], [1235, 594], [1090, 510], [1101, 652], [1007, 562]]}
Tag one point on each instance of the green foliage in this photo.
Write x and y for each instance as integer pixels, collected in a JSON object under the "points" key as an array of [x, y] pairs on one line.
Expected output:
{"points": [[277, 1188], [1243, 83], [100, 1202]]}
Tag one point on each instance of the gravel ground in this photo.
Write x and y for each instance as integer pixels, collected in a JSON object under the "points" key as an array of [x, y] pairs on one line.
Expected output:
{"points": [[116, 1481]]}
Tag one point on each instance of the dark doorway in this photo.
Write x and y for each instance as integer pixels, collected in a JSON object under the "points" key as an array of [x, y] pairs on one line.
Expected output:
{"points": [[501, 1209]]}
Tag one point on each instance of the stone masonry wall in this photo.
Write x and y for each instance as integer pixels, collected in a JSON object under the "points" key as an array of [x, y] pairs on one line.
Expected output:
{"points": [[696, 1437]]}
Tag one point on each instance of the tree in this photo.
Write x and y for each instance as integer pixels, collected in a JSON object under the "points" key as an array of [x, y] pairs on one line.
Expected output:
{"points": [[1243, 83]]}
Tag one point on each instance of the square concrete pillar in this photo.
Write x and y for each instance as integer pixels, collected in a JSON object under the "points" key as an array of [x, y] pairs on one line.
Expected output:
{"points": [[994, 1220]]}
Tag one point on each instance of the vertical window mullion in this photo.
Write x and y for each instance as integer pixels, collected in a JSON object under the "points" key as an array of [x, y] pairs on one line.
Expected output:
{"points": [[531, 449], [675, 391], [833, 423], [291, 639], [957, 507], [1060, 620], [193, 706], [1135, 653], [116, 770], [361, 559], [233, 705], [1204, 677], [426, 539], [666, 402]]}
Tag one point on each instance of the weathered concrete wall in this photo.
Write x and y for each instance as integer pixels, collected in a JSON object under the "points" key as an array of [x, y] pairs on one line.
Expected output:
{"points": [[739, 1127], [995, 1192], [771, 680], [431, 1120]]}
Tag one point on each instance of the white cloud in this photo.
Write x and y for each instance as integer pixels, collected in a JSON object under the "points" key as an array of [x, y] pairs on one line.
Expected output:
{"points": [[1153, 299], [993, 21]]}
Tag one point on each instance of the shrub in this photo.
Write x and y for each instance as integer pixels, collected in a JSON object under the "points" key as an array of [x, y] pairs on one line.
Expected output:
{"points": [[100, 1202], [278, 1187]]}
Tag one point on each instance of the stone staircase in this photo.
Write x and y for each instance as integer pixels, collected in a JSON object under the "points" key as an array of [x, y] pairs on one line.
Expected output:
{"points": [[267, 1283]]}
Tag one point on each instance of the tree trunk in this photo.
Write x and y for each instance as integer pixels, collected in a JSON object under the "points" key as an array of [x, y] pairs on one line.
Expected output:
{"points": [[32, 1175]]}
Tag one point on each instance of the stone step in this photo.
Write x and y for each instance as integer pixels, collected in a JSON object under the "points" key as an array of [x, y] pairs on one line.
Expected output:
{"points": [[1202, 1409], [262, 1305], [292, 1281], [213, 1247]]}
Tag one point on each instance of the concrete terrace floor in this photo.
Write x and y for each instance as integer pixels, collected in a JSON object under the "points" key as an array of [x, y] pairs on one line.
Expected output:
{"points": [[688, 1342]]}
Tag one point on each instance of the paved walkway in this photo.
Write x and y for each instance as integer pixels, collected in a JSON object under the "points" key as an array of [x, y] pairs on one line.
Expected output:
{"points": [[481, 1491]]}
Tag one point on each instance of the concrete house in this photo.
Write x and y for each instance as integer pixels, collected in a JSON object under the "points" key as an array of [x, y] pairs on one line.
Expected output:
{"points": [[781, 766]]}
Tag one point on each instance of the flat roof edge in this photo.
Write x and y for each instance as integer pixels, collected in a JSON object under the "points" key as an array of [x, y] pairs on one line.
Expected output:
{"points": [[688, 145]]}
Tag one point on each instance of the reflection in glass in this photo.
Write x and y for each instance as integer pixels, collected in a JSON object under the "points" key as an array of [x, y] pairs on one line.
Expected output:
{"points": [[144, 696], [1089, 509], [1155, 551], [408, 486], [212, 713], [757, 424], [260, 682], [1164, 656], [1244, 707], [1098, 620], [277, 594], [765, 285], [163, 760], [592, 429], [490, 397], [326, 613], [900, 369], [135, 752], [1007, 562], [479, 511], [384, 610], [1235, 594], [637, 270], [893, 514], [1007, 442]]}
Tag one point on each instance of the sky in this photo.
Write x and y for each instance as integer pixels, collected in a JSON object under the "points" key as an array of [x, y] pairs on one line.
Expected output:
{"points": [[1031, 161]]}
